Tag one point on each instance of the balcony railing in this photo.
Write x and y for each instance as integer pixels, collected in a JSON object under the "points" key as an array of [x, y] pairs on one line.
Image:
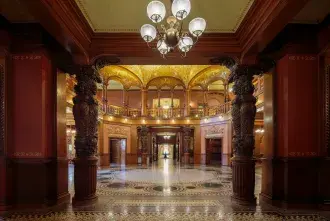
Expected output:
{"points": [[168, 113], [220, 109]]}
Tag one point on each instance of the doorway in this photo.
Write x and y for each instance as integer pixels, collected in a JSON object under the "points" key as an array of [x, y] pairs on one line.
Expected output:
{"points": [[214, 151], [117, 151]]}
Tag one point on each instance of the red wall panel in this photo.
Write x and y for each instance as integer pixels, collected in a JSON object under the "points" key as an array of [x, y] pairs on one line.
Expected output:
{"points": [[296, 110]]}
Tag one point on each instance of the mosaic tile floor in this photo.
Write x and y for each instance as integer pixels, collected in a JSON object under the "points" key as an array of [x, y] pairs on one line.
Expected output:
{"points": [[166, 192]]}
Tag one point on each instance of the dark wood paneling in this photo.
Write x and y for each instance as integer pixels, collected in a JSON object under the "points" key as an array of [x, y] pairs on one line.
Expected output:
{"points": [[38, 182], [294, 182]]}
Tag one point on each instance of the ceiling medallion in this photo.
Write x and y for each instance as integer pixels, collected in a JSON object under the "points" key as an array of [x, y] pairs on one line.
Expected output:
{"points": [[171, 35]]}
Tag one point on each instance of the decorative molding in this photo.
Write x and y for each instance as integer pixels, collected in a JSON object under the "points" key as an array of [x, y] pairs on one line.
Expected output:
{"points": [[163, 81], [302, 154], [302, 58], [2, 110], [116, 131], [26, 57], [214, 131], [327, 109], [27, 154]]}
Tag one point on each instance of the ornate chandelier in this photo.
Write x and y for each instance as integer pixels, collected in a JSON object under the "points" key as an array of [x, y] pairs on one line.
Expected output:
{"points": [[171, 35]]}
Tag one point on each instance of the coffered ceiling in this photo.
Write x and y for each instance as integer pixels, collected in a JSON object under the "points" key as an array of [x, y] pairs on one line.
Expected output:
{"points": [[222, 16]]}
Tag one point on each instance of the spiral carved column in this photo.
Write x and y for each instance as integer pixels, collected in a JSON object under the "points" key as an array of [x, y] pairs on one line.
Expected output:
{"points": [[85, 111], [143, 141], [243, 116], [186, 144]]}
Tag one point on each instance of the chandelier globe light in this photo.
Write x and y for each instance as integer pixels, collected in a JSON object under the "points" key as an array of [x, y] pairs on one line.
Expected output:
{"points": [[171, 35], [181, 8], [156, 11]]}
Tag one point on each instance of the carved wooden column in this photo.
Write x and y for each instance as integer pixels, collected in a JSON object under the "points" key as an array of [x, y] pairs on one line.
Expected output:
{"points": [[85, 111], [143, 136], [243, 116], [186, 144], [187, 102]]}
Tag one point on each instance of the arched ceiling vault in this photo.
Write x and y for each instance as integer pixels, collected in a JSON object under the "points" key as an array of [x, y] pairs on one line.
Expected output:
{"points": [[163, 81], [118, 73], [187, 76], [209, 75]]}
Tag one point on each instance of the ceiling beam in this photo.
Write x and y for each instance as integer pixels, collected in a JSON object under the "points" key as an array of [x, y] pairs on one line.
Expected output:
{"points": [[264, 21], [65, 22]]}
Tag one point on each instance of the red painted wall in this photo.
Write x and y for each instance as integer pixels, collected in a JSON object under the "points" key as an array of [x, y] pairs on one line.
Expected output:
{"points": [[296, 90], [32, 100]]}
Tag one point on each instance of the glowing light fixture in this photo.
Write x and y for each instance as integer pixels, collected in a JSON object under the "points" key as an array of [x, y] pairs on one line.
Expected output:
{"points": [[170, 35]]}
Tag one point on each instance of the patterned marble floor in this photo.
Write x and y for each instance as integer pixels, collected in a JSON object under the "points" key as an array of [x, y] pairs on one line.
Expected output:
{"points": [[166, 192]]}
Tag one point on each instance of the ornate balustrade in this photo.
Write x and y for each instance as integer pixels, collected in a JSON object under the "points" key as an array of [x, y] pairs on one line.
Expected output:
{"points": [[219, 109], [197, 112], [167, 113]]}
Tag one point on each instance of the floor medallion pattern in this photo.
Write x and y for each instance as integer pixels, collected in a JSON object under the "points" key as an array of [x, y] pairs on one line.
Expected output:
{"points": [[166, 191]]}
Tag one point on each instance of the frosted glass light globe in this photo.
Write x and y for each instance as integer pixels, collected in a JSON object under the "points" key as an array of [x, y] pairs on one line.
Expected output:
{"points": [[197, 26], [181, 8], [162, 47], [185, 44], [156, 11], [148, 32]]}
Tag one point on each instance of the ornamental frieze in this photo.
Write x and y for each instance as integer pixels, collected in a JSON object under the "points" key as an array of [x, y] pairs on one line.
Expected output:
{"points": [[217, 130], [118, 130], [27, 154]]}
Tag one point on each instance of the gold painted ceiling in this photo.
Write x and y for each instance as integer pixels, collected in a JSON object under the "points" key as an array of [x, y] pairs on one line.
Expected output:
{"points": [[188, 76]]}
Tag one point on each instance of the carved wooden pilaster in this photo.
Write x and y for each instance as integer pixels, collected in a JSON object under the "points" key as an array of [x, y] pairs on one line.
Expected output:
{"points": [[143, 141], [243, 116], [186, 144], [2, 110], [85, 112]]}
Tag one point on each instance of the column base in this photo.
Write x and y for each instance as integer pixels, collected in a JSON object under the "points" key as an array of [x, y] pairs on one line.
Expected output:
{"points": [[145, 159], [85, 171], [186, 159], [243, 180]]}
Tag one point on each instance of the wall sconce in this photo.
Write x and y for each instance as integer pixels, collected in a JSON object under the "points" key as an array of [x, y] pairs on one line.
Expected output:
{"points": [[260, 131]]}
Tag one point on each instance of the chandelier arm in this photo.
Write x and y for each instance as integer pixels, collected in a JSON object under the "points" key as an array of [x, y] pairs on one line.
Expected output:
{"points": [[195, 40], [180, 32], [158, 32], [152, 47], [183, 55]]}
